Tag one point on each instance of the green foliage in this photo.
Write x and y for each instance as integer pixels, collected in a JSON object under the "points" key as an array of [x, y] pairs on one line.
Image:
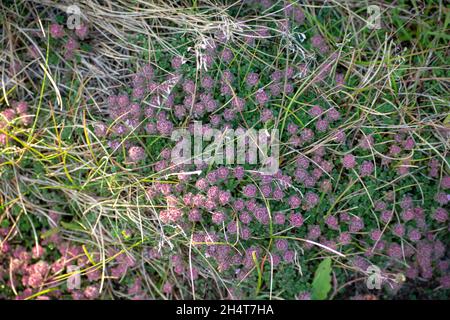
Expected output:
{"points": [[321, 284]]}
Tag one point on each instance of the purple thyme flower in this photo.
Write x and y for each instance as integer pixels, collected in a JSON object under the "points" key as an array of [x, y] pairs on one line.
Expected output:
{"points": [[339, 79], [408, 144], [296, 220], [278, 194], [147, 71], [252, 79], [202, 184], [380, 205], [138, 81], [266, 115], [304, 295], [164, 127], [386, 216], [167, 288], [225, 90], [71, 45], [322, 125], [229, 114], [251, 205], [246, 233], [281, 244], [21, 107], [238, 103], [356, 224], [307, 134], [332, 222], [123, 100], [442, 198], [315, 111], [261, 97], [279, 218], [333, 114], [150, 128], [395, 251], [227, 55], [227, 77], [198, 110], [375, 235], [239, 204], [245, 217], [250, 190], [339, 136], [439, 249], [406, 203], [223, 172], [440, 215], [399, 230], [366, 142], [91, 292], [288, 256], [210, 204], [138, 92], [177, 62], [349, 161], [100, 129], [239, 172], [394, 150], [189, 86], [294, 201], [344, 216], [266, 190], [276, 75], [82, 31], [311, 199], [232, 227], [56, 30], [213, 192], [366, 168], [207, 82], [210, 105], [262, 215], [275, 89], [326, 186], [314, 232], [408, 214], [445, 281], [292, 128], [317, 41], [224, 197], [302, 162], [345, 238], [414, 235], [136, 153], [215, 120], [194, 215], [445, 183], [288, 89]]}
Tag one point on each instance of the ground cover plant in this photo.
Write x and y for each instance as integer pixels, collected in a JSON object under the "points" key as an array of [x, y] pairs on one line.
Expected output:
{"points": [[93, 205]]}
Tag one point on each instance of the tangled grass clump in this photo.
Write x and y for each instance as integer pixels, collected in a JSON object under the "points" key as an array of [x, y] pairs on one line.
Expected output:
{"points": [[90, 190]]}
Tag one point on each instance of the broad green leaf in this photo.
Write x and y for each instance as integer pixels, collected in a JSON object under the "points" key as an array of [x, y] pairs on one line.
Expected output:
{"points": [[322, 280]]}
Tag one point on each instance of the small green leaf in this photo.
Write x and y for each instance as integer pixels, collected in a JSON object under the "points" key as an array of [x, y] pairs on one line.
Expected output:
{"points": [[322, 280], [49, 233], [258, 269], [447, 120], [72, 226]]}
